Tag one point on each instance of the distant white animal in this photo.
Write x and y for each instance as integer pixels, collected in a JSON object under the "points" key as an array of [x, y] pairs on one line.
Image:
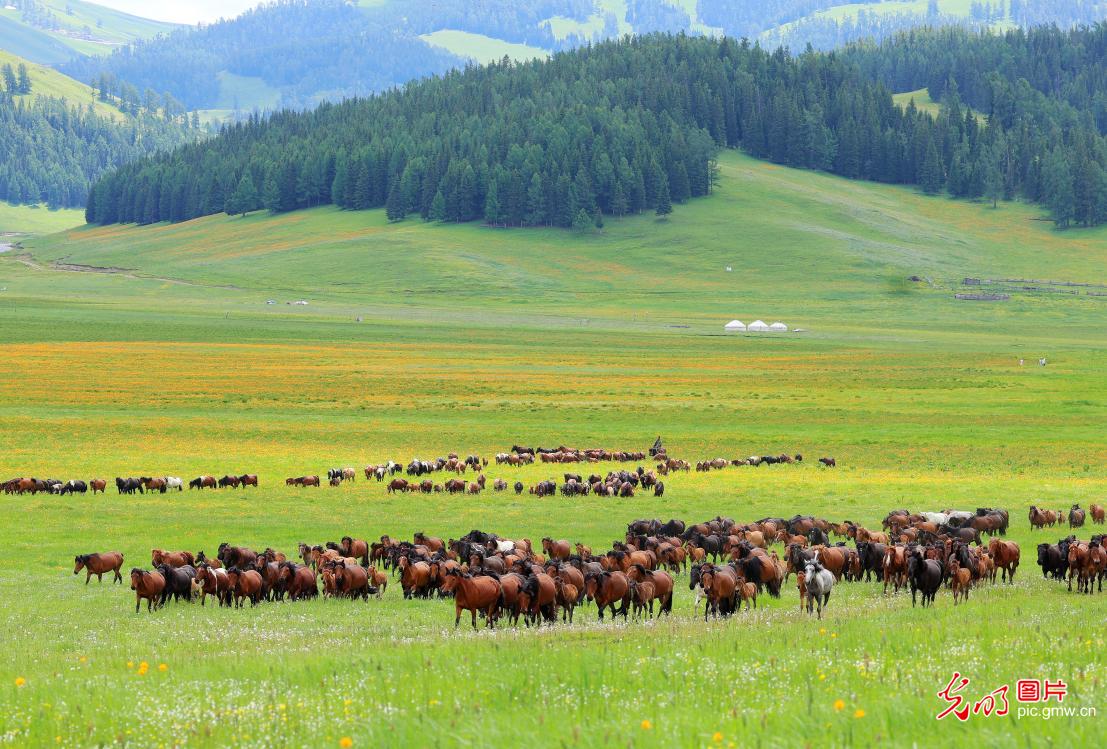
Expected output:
{"points": [[174, 482]]}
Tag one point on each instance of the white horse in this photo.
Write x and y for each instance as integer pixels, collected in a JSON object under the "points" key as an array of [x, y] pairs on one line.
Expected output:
{"points": [[959, 517], [174, 482], [819, 581], [938, 518]]}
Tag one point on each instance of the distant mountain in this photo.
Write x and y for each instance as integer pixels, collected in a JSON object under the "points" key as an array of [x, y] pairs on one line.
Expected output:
{"points": [[58, 135], [54, 31], [296, 53]]}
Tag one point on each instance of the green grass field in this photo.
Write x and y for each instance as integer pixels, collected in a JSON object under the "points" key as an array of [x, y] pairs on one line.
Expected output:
{"points": [[26, 219], [481, 48], [152, 350]]}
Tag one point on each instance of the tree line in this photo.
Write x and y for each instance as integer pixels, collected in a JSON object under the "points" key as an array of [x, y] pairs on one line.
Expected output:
{"points": [[631, 125], [15, 83], [53, 150]]}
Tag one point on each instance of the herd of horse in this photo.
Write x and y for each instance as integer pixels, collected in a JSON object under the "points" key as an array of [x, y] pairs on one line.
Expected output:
{"points": [[614, 484], [728, 564], [125, 485]]}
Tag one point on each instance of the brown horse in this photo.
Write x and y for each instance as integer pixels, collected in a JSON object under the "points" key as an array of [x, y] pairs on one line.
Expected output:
{"points": [[747, 592], [1042, 518], [244, 584], [642, 595], [662, 583], [511, 584], [98, 564], [431, 542], [148, 585], [1076, 517], [606, 589], [355, 547], [351, 581], [415, 578], [473, 594], [378, 579], [97, 485], [248, 479], [1006, 556], [833, 558], [556, 549], [720, 585], [960, 579], [213, 582], [299, 581], [172, 558], [895, 567], [1096, 511], [538, 598]]}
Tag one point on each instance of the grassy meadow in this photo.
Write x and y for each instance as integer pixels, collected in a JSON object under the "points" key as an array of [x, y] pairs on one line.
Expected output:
{"points": [[153, 350]]}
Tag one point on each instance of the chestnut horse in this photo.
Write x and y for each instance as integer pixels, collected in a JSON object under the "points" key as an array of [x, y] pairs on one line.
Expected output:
{"points": [[98, 564], [148, 585], [475, 594], [1096, 511], [607, 589], [1006, 556]]}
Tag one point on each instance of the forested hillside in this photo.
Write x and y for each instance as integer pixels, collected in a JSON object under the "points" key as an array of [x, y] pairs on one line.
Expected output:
{"points": [[57, 137], [633, 125], [314, 50]]}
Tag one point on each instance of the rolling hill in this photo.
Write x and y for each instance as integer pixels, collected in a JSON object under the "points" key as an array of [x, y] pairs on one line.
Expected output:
{"points": [[156, 349], [779, 229], [54, 31], [308, 52], [46, 81]]}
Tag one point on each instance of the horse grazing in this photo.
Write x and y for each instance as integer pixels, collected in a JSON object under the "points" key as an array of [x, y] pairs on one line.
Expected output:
{"points": [[1006, 556], [925, 576], [149, 586], [818, 582], [248, 479], [98, 564]]}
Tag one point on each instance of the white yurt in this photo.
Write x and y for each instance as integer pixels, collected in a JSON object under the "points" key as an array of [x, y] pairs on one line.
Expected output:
{"points": [[779, 327], [735, 326], [757, 326]]}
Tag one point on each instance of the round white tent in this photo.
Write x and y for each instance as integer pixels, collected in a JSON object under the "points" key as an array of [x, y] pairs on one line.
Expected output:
{"points": [[779, 327], [734, 326], [757, 325]]}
